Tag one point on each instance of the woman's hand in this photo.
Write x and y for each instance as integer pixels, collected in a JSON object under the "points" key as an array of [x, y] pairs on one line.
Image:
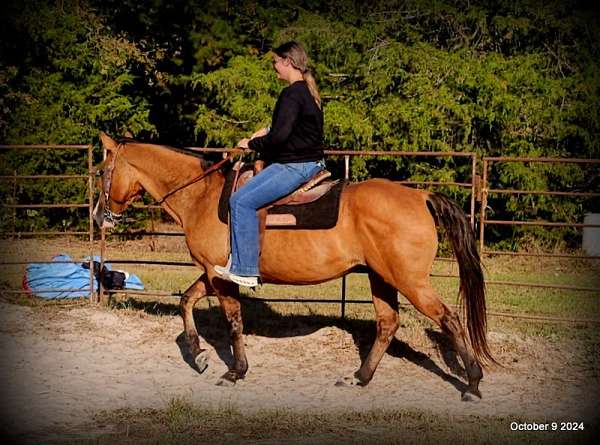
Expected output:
{"points": [[259, 133], [243, 143], [236, 152]]}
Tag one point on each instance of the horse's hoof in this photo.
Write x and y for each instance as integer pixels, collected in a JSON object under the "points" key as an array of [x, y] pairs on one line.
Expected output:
{"points": [[349, 381], [225, 382], [228, 379], [201, 361], [470, 396]]}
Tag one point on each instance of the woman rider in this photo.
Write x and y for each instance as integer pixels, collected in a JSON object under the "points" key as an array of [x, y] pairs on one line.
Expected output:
{"points": [[292, 147]]}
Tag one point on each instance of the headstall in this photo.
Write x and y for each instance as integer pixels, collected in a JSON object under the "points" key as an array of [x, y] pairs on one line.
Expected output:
{"points": [[113, 218]]}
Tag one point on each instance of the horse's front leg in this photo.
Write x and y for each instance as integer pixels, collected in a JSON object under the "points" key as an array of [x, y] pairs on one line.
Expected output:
{"points": [[190, 297], [228, 294]]}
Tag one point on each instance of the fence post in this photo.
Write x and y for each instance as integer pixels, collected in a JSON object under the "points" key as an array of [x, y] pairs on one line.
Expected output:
{"points": [[91, 219], [14, 212], [484, 194], [346, 176], [346, 166], [153, 229], [102, 250], [474, 187], [344, 296]]}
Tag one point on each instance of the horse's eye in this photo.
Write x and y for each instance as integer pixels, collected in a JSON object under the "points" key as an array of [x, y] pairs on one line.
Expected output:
{"points": [[99, 169]]}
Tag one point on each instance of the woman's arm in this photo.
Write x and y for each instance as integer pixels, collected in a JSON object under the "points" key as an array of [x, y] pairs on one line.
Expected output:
{"points": [[283, 124], [243, 143], [260, 133]]}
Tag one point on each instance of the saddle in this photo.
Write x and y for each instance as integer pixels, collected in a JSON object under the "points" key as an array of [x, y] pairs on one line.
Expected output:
{"points": [[310, 191], [311, 206]]}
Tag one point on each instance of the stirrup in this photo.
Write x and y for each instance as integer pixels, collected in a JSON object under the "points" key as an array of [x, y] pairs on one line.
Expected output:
{"points": [[225, 274], [244, 281]]}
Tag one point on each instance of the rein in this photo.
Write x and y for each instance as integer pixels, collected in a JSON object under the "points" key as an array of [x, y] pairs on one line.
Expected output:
{"points": [[208, 171]]}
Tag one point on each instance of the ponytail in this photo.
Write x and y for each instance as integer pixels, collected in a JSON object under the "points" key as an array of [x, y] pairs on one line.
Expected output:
{"points": [[312, 87]]}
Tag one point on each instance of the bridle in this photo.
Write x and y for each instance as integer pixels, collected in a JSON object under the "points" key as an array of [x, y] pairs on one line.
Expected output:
{"points": [[113, 218]]}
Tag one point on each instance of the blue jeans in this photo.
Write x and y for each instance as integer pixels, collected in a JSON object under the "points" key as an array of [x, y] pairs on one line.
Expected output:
{"points": [[274, 182]]}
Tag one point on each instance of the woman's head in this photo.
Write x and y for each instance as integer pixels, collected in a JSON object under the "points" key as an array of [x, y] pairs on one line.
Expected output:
{"points": [[289, 60], [294, 53]]}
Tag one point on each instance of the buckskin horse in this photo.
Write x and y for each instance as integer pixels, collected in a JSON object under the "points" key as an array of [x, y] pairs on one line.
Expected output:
{"points": [[383, 225]]}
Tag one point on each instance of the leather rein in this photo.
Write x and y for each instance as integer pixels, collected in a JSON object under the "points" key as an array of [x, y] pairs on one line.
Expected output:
{"points": [[208, 171]]}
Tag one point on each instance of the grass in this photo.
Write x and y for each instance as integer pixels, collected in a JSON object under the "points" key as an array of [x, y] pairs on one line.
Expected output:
{"points": [[508, 299], [182, 422]]}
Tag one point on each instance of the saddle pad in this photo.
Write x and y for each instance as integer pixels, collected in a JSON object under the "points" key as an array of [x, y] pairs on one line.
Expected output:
{"points": [[319, 214]]}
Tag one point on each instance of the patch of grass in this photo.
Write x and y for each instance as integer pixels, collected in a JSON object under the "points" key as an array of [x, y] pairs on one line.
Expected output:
{"points": [[182, 422], [23, 299], [532, 301]]}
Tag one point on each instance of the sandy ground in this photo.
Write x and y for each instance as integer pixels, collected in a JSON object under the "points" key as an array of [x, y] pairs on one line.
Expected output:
{"points": [[60, 366]]}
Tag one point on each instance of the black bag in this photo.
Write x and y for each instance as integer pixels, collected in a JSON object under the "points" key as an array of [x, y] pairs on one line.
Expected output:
{"points": [[110, 279]]}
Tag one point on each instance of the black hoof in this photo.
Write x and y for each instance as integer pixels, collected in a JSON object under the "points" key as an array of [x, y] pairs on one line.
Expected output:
{"points": [[349, 381], [201, 361], [229, 378], [471, 396], [225, 382]]}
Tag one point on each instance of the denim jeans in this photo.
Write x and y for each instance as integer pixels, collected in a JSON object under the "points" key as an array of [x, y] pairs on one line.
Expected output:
{"points": [[272, 183]]}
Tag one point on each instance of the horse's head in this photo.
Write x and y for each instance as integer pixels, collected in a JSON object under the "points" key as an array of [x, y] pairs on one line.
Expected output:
{"points": [[120, 185]]}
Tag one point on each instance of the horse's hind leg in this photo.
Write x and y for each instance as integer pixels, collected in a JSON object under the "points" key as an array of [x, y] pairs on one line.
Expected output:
{"points": [[385, 300], [190, 297], [428, 302]]}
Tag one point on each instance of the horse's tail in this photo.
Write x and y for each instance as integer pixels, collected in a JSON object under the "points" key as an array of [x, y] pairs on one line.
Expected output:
{"points": [[472, 286]]}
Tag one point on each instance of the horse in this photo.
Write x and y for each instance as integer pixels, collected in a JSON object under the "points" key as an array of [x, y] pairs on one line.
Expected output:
{"points": [[383, 226]]}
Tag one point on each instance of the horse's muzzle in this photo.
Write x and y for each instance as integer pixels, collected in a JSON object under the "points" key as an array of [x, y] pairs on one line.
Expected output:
{"points": [[104, 217]]}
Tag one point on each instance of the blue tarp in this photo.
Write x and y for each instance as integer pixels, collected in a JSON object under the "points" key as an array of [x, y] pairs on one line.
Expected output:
{"points": [[40, 277]]}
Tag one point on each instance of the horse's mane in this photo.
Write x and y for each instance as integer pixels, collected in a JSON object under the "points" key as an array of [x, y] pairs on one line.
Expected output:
{"points": [[206, 163]]}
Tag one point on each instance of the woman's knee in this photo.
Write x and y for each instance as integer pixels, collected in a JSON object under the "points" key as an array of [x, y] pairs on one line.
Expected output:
{"points": [[234, 200], [238, 200]]}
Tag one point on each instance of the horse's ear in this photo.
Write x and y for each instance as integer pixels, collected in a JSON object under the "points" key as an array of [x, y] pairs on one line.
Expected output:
{"points": [[107, 142]]}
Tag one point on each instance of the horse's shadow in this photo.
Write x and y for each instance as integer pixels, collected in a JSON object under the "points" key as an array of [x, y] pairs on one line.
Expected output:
{"points": [[260, 319]]}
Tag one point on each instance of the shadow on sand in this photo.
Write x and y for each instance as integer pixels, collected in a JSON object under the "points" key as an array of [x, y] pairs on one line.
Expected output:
{"points": [[260, 319]]}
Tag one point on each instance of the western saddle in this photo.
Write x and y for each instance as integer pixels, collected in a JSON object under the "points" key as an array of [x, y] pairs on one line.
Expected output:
{"points": [[308, 192]]}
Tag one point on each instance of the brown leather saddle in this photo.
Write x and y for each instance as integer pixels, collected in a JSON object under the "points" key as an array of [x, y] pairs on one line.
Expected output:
{"points": [[310, 191]]}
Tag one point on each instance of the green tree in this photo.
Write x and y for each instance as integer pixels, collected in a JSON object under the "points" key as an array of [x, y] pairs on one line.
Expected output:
{"points": [[517, 78], [67, 76]]}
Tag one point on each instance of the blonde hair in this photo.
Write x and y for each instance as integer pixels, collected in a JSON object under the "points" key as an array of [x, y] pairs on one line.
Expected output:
{"points": [[299, 60]]}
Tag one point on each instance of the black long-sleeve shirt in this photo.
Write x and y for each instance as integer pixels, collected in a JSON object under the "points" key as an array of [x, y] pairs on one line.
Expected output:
{"points": [[296, 133]]}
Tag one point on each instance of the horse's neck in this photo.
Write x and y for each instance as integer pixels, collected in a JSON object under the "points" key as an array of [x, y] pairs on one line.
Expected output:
{"points": [[162, 171]]}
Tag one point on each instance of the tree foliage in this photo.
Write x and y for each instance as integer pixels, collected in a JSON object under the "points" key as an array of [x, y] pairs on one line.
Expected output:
{"points": [[499, 78]]}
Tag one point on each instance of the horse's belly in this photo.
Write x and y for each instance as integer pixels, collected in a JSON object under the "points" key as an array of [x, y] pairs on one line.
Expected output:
{"points": [[298, 277], [309, 259], [312, 256]]}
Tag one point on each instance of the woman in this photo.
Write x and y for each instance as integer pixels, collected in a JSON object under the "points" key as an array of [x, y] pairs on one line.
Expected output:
{"points": [[292, 147]]}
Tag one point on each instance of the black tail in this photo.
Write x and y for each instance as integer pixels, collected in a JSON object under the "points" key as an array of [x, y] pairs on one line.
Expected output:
{"points": [[472, 286]]}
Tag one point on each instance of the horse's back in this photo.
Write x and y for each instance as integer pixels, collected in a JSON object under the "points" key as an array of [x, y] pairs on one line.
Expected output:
{"points": [[389, 209]]}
